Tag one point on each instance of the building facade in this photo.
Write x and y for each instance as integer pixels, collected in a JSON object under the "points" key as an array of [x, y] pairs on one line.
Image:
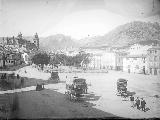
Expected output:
{"points": [[142, 58], [101, 58], [153, 58], [135, 64]]}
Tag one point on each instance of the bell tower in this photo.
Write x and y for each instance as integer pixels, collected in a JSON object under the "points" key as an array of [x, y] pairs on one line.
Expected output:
{"points": [[20, 36], [36, 40]]}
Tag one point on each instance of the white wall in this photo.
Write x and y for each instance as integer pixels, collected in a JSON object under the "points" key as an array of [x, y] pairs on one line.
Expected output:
{"points": [[136, 66], [138, 49]]}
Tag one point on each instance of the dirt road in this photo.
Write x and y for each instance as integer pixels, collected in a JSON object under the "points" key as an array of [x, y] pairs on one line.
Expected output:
{"points": [[51, 104]]}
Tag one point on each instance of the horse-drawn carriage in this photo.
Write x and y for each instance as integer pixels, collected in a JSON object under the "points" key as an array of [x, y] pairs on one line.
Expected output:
{"points": [[122, 87], [54, 77], [76, 88]]}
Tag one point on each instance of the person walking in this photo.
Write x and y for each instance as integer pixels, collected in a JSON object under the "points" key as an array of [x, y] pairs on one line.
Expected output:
{"points": [[22, 82], [138, 103], [18, 76], [132, 101], [143, 104]]}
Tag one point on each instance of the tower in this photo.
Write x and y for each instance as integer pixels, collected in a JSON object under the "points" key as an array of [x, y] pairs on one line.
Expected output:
{"points": [[36, 40], [20, 35]]}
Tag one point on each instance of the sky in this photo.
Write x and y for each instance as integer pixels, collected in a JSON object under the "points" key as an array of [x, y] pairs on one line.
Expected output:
{"points": [[76, 18]]}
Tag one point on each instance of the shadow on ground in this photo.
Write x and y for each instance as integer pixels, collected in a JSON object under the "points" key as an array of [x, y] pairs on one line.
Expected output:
{"points": [[52, 104]]}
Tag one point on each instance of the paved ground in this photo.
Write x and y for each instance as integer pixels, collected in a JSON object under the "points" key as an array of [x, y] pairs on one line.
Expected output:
{"points": [[104, 85]]}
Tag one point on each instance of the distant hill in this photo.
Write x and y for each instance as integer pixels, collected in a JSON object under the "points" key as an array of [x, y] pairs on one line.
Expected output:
{"points": [[128, 34], [57, 42], [123, 35]]}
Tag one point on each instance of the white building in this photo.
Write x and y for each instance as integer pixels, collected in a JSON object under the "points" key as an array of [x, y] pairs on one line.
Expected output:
{"points": [[25, 58], [136, 61], [138, 49], [72, 53], [101, 58], [153, 59], [135, 64]]}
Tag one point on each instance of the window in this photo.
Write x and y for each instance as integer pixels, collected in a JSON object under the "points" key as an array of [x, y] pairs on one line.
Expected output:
{"points": [[137, 67], [155, 58], [155, 51], [150, 70], [150, 51]]}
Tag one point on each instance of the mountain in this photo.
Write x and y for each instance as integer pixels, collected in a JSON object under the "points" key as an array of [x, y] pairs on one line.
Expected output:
{"points": [[123, 35], [128, 34], [57, 42]]}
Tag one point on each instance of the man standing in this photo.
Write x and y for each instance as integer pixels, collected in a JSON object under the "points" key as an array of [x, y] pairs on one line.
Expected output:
{"points": [[137, 103], [143, 104], [22, 82], [18, 76], [132, 101]]}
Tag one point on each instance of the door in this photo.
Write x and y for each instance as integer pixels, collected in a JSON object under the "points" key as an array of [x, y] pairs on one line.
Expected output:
{"points": [[151, 71], [155, 71], [144, 70]]}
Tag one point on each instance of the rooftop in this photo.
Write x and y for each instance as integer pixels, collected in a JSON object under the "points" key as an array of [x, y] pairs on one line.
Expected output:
{"points": [[136, 56]]}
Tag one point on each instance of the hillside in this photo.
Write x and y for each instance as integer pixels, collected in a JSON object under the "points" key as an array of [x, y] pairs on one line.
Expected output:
{"points": [[128, 34], [58, 41], [123, 35]]}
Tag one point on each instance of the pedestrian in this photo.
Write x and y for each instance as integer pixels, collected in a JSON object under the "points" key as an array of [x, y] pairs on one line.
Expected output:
{"points": [[5, 76], [18, 76], [138, 103], [143, 104], [22, 82], [132, 101], [2, 77]]}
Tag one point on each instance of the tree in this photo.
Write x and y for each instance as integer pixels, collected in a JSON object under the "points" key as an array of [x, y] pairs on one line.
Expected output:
{"points": [[41, 58], [54, 60], [4, 58]]}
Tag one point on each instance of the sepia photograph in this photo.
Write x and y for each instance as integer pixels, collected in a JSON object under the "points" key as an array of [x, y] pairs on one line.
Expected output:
{"points": [[79, 59]]}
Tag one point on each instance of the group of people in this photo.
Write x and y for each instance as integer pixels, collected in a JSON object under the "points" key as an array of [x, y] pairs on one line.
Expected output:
{"points": [[4, 76], [139, 104]]}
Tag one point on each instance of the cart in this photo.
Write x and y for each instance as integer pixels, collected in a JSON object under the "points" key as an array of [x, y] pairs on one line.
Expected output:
{"points": [[76, 88], [122, 87]]}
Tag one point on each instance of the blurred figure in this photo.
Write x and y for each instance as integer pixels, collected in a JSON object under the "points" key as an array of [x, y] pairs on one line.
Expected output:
{"points": [[22, 82], [18, 76], [138, 103], [132, 100], [143, 104]]}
